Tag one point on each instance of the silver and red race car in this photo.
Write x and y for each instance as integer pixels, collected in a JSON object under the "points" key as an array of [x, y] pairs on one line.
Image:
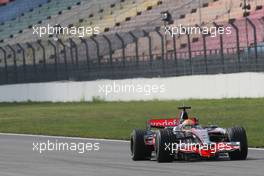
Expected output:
{"points": [[184, 139]]}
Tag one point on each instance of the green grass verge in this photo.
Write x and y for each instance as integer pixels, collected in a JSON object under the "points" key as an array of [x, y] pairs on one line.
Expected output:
{"points": [[116, 120]]}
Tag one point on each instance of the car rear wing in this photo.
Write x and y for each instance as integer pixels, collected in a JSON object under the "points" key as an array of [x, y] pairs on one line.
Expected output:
{"points": [[162, 123]]}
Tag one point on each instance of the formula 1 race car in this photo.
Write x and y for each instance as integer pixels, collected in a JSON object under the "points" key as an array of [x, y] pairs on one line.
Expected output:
{"points": [[184, 139]]}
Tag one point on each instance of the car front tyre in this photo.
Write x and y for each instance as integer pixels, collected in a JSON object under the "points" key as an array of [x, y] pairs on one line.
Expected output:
{"points": [[238, 134], [164, 138], [139, 151]]}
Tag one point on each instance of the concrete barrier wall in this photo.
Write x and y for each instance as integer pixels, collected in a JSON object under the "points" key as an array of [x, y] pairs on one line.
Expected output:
{"points": [[239, 85]]}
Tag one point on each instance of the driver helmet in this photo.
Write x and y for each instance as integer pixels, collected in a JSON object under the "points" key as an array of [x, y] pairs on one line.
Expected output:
{"points": [[188, 122]]}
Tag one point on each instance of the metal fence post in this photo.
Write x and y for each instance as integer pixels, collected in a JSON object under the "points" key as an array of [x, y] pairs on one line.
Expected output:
{"points": [[44, 55], [71, 52], [87, 53], [5, 62], [14, 60], [135, 40], [110, 49], [189, 47], [222, 52], [55, 55], [221, 48], [123, 48], [74, 45], [255, 41], [175, 50], [237, 42], [110, 54], [34, 58], [97, 50], [162, 48], [149, 47], [24, 61], [190, 51], [205, 53], [65, 57]]}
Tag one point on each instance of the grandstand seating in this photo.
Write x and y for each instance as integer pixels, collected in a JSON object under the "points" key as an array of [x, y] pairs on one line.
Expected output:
{"points": [[35, 16], [101, 14], [17, 8], [123, 17], [116, 13], [230, 40], [215, 13]]}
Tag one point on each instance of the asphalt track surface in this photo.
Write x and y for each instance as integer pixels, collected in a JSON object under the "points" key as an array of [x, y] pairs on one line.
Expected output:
{"points": [[17, 158]]}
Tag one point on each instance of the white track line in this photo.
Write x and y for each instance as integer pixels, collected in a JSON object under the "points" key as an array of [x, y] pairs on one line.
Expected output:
{"points": [[61, 137], [259, 149], [80, 138]]}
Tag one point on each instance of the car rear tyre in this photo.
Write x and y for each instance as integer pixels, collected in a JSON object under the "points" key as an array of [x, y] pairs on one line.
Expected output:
{"points": [[164, 138], [238, 134], [139, 151]]}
